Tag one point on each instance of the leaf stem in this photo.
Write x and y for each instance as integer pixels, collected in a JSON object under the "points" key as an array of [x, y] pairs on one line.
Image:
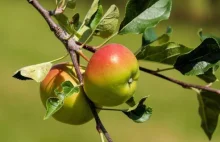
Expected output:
{"points": [[58, 59], [102, 137], [107, 40], [165, 69]]}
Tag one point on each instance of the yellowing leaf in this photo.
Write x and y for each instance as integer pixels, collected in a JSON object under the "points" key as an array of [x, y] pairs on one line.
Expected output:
{"points": [[36, 72]]}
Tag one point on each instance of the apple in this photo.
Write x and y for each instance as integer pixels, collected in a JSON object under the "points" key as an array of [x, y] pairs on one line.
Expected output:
{"points": [[75, 110], [111, 75]]}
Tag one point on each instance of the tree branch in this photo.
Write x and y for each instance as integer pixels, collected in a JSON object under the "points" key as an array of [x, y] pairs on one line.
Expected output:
{"points": [[71, 47], [183, 84]]}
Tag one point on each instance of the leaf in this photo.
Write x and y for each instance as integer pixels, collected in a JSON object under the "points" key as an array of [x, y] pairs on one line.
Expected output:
{"points": [[139, 113], [97, 17], [209, 108], [71, 4], [150, 37], [85, 31], [69, 89], [201, 59], [208, 76], [131, 102], [166, 53], [36, 72], [52, 105], [108, 24], [94, 7], [144, 14], [75, 21], [64, 22]]}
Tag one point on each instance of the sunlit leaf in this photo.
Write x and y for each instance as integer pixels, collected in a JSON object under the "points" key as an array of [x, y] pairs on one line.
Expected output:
{"points": [[143, 14], [139, 113], [94, 7], [71, 4], [209, 108], [69, 89], [52, 106], [108, 24], [98, 16], [36, 72], [64, 22]]}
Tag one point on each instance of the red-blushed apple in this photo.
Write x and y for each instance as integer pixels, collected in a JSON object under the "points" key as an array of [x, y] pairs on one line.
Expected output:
{"points": [[75, 110], [111, 75]]}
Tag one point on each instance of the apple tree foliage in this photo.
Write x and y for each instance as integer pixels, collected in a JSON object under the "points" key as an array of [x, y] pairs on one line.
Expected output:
{"points": [[141, 17]]}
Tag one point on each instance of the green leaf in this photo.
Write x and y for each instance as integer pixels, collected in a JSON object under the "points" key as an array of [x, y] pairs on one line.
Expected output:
{"points": [[201, 59], [149, 36], [209, 76], [209, 108], [52, 105], [166, 53], [71, 4], [97, 17], [85, 31], [108, 24], [94, 7], [64, 22], [36, 72], [139, 113], [75, 20], [69, 89], [143, 14], [131, 102]]}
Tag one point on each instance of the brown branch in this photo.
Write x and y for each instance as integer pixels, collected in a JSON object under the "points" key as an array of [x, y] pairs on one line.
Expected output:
{"points": [[181, 83], [71, 47], [87, 47]]}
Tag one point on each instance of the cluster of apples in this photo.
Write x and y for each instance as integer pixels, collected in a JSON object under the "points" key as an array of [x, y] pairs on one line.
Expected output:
{"points": [[110, 79]]}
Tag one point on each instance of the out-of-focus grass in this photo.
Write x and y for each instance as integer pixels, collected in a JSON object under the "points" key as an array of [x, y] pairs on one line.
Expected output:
{"points": [[25, 39]]}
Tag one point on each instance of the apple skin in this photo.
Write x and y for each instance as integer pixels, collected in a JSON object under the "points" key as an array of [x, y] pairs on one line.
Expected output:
{"points": [[111, 75], [75, 110]]}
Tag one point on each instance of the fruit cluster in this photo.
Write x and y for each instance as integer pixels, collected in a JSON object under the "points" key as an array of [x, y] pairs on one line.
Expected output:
{"points": [[110, 79]]}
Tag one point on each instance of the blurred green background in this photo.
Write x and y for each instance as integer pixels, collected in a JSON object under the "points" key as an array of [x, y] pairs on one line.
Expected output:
{"points": [[25, 39]]}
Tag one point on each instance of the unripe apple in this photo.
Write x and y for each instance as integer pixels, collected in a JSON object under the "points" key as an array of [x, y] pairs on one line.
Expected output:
{"points": [[111, 75], [75, 110]]}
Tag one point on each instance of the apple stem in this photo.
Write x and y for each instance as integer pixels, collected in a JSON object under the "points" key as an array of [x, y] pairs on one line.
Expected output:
{"points": [[72, 47]]}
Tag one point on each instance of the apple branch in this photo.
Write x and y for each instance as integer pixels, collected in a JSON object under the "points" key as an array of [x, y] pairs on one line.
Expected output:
{"points": [[72, 47], [181, 83]]}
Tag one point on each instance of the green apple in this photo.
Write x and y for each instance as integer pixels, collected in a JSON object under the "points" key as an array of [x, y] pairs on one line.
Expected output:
{"points": [[111, 75], [75, 110]]}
